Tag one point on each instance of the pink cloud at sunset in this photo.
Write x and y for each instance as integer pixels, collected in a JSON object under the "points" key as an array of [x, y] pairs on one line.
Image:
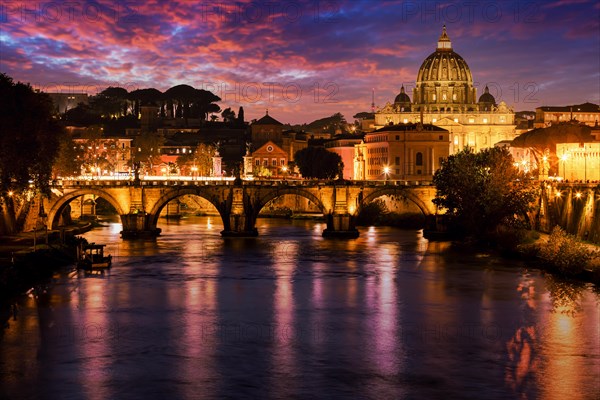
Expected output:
{"points": [[302, 59]]}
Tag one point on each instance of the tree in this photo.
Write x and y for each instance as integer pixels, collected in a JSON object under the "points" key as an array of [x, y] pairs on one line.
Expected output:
{"points": [[240, 116], [69, 159], [482, 190], [146, 149], [201, 159], [317, 162], [228, 115], [29, 142], [98, 153]]}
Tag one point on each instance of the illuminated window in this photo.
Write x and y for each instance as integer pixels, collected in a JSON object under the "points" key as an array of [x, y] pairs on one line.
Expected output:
{"points": [[405, 120], [455, 119], [471, 120], [454, 96], [485, 120], [433, 97], [502, 119], [456, 140], [433, 120]]}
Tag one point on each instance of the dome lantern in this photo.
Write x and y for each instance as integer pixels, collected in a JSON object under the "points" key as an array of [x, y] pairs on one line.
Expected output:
{"points": [[444, 42]]}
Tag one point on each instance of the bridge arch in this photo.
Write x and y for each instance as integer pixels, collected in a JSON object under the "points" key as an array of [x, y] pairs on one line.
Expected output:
{"points": [[275, 193], [397, 191], [57, 209], [174, 194]]}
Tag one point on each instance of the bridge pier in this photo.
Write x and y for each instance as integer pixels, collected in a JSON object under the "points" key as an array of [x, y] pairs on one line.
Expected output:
{"points": [[341, 226], [239, 226], [138, 225]]}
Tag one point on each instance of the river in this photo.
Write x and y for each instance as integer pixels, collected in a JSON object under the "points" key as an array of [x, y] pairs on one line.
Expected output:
{"points": [[292, 315]]}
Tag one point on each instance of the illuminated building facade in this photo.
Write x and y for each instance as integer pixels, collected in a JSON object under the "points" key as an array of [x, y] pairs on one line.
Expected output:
{"points": [[444, 96]]}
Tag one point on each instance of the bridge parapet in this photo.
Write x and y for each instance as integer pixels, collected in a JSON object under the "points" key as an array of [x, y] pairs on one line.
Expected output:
{"points": [[139, 203]]}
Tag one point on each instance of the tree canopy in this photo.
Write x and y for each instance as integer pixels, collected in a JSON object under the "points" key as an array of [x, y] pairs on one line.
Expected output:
{"points": [[317, 162], [29, 143], [29, 137], [482, 190]]}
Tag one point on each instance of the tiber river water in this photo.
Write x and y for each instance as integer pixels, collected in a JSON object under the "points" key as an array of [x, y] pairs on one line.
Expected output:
{"points": [[292, 315]]}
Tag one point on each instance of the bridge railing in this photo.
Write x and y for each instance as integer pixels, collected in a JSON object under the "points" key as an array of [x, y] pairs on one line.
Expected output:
{"points": [[230, 182]]}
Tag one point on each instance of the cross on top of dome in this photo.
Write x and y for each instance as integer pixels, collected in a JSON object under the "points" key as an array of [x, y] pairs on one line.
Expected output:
{"points": [[444, 42]]}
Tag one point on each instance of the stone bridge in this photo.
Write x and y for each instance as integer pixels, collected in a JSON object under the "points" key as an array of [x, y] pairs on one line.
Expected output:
{"points": [[139, 204]]}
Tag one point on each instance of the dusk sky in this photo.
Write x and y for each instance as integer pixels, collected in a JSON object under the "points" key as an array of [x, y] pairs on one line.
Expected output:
{"points": [[303, 60]]}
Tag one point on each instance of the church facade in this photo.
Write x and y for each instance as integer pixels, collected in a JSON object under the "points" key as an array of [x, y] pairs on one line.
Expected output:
{"points": [[445, 96]]}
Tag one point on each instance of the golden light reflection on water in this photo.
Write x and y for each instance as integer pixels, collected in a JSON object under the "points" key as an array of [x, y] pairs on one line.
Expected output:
{"points": [[284, 356], [546, 351], [567, 333], [384, 322], [92, 347], [199, 331]]}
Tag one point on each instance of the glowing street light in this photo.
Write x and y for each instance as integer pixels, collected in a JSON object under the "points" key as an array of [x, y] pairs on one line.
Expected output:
{"points": [[578, 195], [386, 171]]}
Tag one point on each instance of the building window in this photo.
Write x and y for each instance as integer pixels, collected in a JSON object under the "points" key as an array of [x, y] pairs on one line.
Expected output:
{"points": [[265, 162], [434, 97], [454, 96], [405, 121], [471, 120], [485, 120], [257, 162], [441, 137], [282, 162], [274, 162], [455, 119], [419, 159], [397, 160], [397, 137], [434, 120], [456, 140]]}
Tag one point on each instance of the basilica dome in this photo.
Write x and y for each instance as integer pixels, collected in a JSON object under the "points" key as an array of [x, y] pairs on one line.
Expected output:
{"points": [[402, 98], [444, 78]]}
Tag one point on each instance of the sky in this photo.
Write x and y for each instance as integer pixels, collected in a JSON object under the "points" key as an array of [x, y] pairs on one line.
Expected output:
{"points": [[303, 59]]}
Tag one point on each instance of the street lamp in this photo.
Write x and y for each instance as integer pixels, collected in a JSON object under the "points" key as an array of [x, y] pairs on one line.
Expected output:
{"points": [[194, 171], [284, 169], [386, 171]]}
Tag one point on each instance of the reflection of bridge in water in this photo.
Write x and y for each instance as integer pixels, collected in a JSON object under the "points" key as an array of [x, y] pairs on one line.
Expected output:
{"points": [[140, 204]]}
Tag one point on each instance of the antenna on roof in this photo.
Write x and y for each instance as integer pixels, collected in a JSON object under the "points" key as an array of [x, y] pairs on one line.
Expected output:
{"points": [[373, 101]]}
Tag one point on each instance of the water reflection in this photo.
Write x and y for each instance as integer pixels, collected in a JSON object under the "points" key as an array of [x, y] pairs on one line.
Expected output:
{"points": [[291, 315], [522, 348]]}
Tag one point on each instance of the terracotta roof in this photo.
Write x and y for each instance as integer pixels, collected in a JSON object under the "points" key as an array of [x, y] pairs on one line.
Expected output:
{"points": [[267, 120]]}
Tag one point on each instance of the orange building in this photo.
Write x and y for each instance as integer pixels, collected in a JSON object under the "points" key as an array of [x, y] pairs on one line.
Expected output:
{"points": [[269, 157]]}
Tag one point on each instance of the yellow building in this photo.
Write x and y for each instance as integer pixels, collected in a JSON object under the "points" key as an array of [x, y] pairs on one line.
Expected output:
{"points": [[587, 113], [403, 151], [445, 96], [580, 161]]}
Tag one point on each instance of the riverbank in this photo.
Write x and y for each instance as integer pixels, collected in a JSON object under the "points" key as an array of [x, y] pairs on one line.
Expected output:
{"points": [[30, 258], [566, 256]]}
